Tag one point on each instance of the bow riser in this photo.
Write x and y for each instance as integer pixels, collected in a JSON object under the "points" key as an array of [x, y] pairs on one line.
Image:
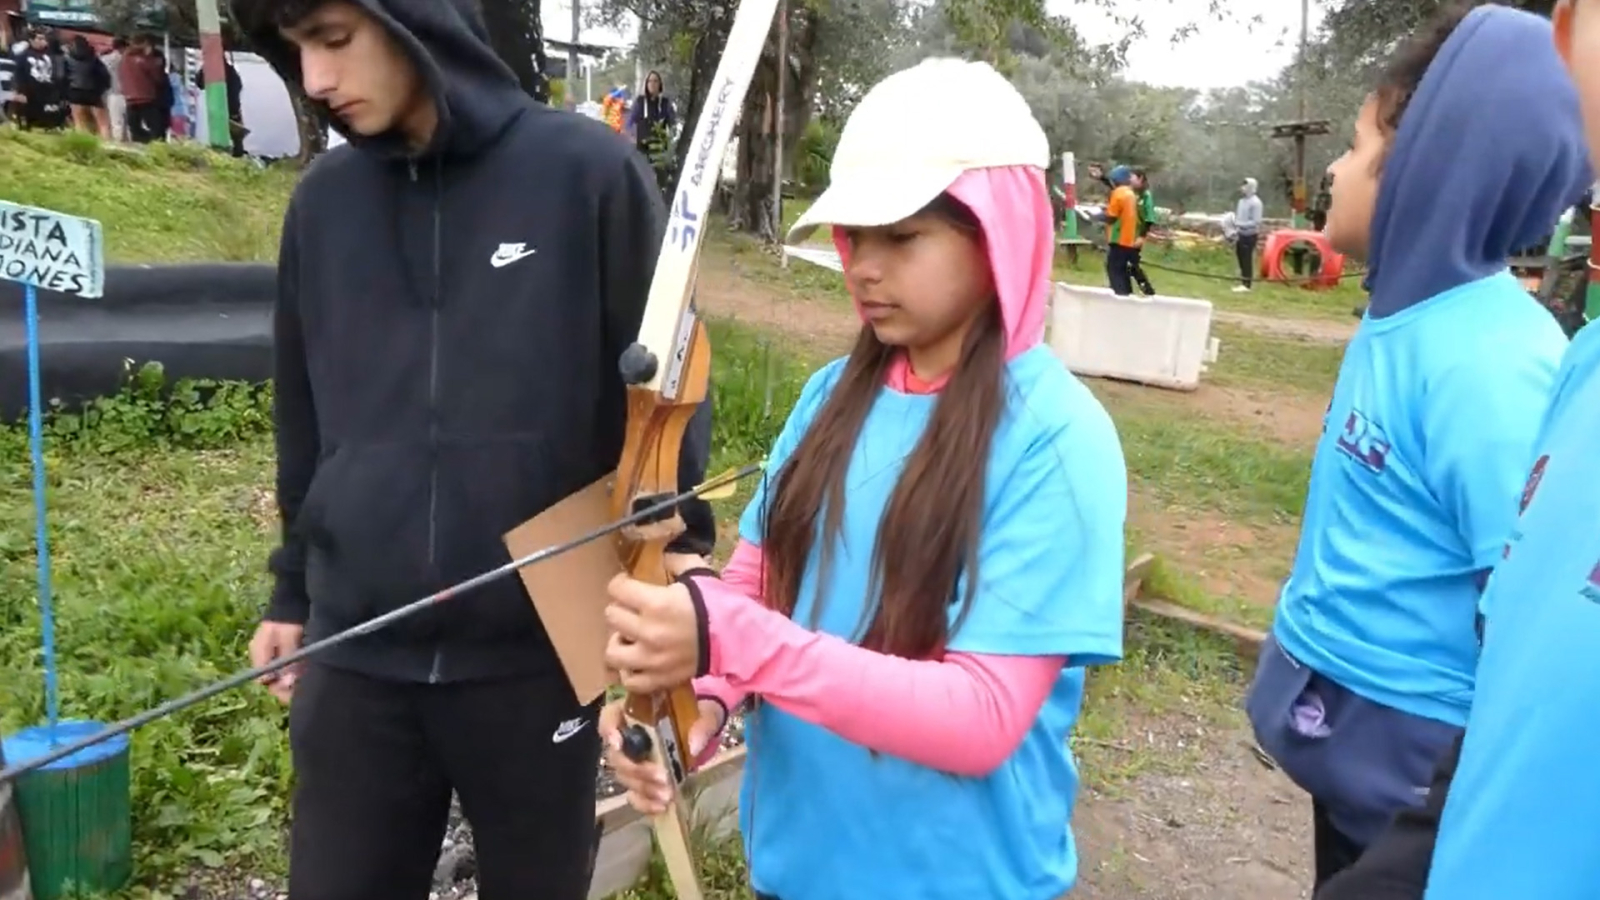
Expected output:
{"points": [[647, 472], [658, 724]]}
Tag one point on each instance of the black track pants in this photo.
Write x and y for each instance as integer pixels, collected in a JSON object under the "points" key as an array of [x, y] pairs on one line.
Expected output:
{"points": [[375, 762]]}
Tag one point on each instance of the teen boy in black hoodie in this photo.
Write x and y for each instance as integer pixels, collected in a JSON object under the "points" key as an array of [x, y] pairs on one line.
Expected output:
{"points": [[456, 288]]}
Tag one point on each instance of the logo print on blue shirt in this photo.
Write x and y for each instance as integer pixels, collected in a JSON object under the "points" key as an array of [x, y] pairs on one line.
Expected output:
{"points": [[1532, 486], [1364, 441], [1591, 589], [1529, 489]]}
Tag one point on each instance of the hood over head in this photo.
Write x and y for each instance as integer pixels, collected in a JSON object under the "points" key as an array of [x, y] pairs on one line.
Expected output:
{"points": [[1012, 205], [1248, 187], [1120, 175], [477, 94], [1489, 152]]}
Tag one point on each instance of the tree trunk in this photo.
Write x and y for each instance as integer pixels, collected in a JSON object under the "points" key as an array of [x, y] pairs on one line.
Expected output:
{"points": [[313, 134], [801, 95], [751, 209], [711, 39], [517, 35]]}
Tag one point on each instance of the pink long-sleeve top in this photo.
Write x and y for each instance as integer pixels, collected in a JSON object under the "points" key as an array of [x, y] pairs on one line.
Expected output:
{"points": [[963, 713]]}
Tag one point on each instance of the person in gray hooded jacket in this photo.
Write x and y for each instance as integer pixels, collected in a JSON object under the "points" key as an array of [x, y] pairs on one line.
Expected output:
{"points": [[1247, 217]]}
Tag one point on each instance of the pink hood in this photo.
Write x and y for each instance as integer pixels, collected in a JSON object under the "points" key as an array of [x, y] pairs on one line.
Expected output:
{"points": [[1013, 206]]}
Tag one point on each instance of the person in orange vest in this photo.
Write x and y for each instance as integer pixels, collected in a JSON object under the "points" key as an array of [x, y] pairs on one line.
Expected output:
{"points": [[1122, 232]]}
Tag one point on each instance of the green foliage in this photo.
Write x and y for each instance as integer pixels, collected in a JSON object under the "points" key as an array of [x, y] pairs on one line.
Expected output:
{"points": [[149, 413], [161, 518], [1360, 32], [814, 154], [755, 382], [984, 28], [158, 578], [719, 860]]}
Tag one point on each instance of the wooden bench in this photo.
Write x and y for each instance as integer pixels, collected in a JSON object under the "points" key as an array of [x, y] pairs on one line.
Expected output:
{"points": [[1072, 245]]}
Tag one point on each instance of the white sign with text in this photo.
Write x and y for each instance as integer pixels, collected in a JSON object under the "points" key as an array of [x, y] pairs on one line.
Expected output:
{"points": [[52, 251]]}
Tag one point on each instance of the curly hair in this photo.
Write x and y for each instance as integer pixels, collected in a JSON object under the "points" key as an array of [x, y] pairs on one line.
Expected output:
{"points": [[256, 16], [1404, 72]]}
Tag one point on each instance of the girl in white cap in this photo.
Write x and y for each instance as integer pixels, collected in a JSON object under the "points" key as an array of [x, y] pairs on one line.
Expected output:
{"points": [[936, 551]]}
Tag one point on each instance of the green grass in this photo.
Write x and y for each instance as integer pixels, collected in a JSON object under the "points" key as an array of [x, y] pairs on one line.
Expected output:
{"points": [[800, 280], [166, 202], [1293, 365], [159, 581], [1198, 463], [1166, 582]]}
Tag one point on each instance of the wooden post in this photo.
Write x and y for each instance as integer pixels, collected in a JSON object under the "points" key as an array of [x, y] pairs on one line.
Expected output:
{"points": [[572, 56], [1247, 641], [13, 858], [777, 129], [219, 133], [1069, 204]]}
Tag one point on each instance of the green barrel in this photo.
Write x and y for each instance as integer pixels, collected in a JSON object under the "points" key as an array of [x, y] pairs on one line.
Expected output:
{"points": [[77, 820]]}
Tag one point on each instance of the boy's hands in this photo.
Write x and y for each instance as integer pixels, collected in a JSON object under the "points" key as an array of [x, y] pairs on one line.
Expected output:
{"points": [[273, 640]]}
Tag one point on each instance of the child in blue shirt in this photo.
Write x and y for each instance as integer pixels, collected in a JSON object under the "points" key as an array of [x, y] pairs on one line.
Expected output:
{"points": [[1368, 675], [935, 555], [1515, 809]]}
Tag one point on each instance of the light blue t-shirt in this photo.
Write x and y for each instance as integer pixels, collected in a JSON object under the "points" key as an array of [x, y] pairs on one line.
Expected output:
{"points": [[825, 819], [1413, 491], [1523, 816]]}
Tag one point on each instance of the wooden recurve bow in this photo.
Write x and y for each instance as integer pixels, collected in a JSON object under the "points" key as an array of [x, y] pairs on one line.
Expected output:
{"points": [[667, 371]]}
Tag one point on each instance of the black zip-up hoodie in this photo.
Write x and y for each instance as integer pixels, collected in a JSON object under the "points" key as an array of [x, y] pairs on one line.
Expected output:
{"points": [[448, 331]]}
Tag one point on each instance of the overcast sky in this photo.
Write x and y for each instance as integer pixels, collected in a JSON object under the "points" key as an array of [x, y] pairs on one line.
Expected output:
{"points": [[1220, 54]]}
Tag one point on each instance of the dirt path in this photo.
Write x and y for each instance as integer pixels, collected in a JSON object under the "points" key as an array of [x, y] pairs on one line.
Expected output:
{"points": [[720, 291], [1225, 558], [1288, 419], [1330, 331], [1228, 830]]}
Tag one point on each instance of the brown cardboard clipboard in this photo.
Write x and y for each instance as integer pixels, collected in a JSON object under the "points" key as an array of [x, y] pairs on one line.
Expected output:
{"points": [[569, 590]]}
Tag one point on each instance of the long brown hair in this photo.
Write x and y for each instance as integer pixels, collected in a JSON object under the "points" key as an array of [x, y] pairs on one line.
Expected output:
{"points": [[928, 538]]}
